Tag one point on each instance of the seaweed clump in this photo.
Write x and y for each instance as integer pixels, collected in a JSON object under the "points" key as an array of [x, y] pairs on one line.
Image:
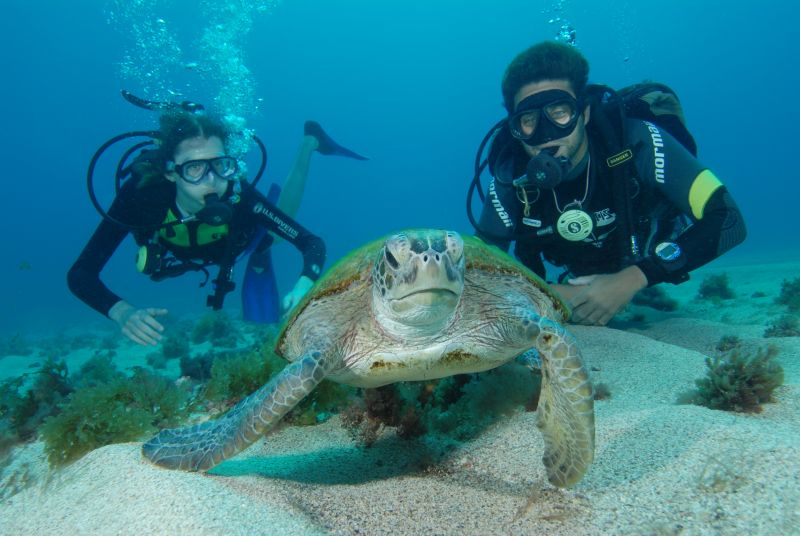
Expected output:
{"points": [[739, 380], [236, 375], [655, 298], [790, 294], [22, 411], [121, 410], [452, 408], [15, 345], [727, 343], [216, 327], [716, 288], [785, 326]]}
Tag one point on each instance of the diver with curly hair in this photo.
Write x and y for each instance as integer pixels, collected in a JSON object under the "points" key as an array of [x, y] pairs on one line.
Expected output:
{"points": [[581, 181]]}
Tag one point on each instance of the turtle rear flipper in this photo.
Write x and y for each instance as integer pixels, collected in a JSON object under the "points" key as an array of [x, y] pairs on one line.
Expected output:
{"points": [[201, 447]]}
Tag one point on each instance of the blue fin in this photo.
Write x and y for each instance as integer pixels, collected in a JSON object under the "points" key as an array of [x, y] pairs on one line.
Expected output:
{"points": [[260, 301], [326, 143]]}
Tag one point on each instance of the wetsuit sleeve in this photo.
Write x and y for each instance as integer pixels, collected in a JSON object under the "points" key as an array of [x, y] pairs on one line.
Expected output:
{"points": [[497, 221], [717, 225], [83, 277], [272, 218], [134, 206]]}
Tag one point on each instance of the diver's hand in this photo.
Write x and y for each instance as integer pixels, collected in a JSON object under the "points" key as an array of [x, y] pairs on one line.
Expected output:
{"points": [[595, 299], [300, 288], [139, 325]]}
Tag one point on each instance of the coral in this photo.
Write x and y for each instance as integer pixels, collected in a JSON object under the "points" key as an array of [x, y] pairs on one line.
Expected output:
{"points": [[655, 298], [175, 347], [739, 381], [790, 294], [715, 288], [727, 342], [216, 327], [122, 410], [785, 326]]}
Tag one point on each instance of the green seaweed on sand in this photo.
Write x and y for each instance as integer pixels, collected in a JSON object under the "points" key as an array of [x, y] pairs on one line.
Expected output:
{"points": [[784, 326], [790, 294], [738, 380], [715, 288], [655, 298], [121, 410]]}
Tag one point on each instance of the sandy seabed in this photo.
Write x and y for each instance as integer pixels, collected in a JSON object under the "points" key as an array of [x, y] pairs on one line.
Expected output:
{"points": [[660, 468]]}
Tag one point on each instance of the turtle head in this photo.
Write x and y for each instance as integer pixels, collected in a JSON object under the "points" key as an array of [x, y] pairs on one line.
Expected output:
{"points": [[418, 279]]}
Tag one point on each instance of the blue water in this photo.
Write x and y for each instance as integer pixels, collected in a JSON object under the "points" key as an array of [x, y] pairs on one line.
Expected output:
{"points": [[413, 85]]}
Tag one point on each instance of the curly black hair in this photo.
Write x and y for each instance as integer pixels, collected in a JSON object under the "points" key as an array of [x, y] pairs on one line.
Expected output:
{"points": [[548, 60]]}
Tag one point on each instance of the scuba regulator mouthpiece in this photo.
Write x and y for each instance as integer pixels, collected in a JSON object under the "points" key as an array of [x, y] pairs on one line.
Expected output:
{"points": [[216, 211], [545, 171]]}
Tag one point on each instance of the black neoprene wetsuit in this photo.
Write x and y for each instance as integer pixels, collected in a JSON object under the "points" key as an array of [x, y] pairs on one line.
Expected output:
{"points": [[675, 198], [152, 205]]}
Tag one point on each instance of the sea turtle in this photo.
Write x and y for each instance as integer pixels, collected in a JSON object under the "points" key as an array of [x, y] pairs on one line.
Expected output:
{"points": [[417, 305]]}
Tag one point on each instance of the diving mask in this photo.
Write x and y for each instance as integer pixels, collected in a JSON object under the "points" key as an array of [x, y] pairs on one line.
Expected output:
{"points": [[544, 117], [193, 171]]}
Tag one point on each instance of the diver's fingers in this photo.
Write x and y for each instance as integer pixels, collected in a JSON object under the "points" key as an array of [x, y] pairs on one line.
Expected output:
{"points": [[150, 320], [143, 328], [582, 280], [138, 337]]}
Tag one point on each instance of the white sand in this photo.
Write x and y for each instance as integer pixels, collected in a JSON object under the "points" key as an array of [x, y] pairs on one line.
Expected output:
{"points": [[660, 468]]}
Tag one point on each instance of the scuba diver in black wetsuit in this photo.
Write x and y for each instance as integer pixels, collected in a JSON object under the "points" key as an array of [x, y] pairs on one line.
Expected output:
{"points": [[188, 208], [617, 201]]}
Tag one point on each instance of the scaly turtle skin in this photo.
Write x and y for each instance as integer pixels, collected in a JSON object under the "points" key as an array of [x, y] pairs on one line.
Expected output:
{"points": [[417, 305]]}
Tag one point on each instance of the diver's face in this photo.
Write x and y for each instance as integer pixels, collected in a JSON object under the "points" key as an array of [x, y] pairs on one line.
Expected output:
{"points": [[191, 196], [575, 145]]}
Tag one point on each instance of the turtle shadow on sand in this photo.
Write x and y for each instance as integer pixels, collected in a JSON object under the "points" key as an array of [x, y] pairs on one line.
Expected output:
{"points": [[388, 457]]}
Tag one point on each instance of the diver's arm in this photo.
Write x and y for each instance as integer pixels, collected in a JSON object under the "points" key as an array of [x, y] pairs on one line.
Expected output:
{"points": [[83, 277], [496, 222], [278, 222], [720, 228], [677, 176]]}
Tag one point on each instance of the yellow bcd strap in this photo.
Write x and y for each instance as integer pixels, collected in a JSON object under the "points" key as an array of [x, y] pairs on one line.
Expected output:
{"points": [[179, 235]]}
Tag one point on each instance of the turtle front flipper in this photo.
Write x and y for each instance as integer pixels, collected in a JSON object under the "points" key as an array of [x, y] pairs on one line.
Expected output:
{"points": [[201, 447], [566, 402]]}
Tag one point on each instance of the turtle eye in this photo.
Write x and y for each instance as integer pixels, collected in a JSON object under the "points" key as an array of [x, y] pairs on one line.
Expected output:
{"points": [[391, 260]]}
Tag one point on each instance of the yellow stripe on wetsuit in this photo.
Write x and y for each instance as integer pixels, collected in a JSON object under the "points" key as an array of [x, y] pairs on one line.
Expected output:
{"points": [[704, 185]]}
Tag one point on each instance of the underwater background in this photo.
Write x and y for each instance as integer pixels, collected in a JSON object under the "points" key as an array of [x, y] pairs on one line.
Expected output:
{"points": [[413, 85]]}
